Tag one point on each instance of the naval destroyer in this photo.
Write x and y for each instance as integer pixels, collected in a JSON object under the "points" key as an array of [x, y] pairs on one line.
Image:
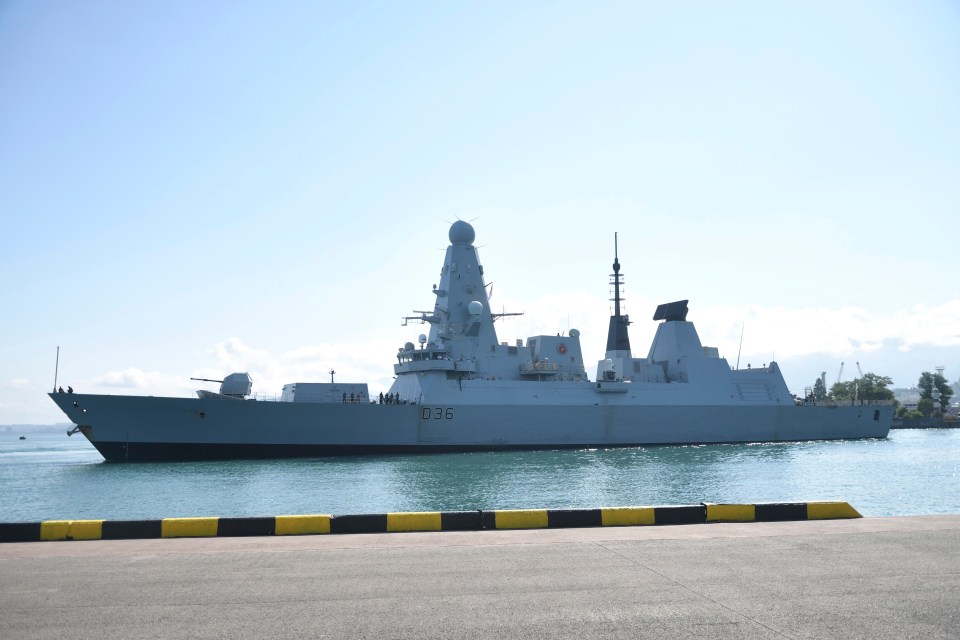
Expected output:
{"points": [[461, 389]]}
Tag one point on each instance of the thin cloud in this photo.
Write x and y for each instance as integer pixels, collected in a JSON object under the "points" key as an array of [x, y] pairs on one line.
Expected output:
{"points": [[844, 331], [129, 378]]}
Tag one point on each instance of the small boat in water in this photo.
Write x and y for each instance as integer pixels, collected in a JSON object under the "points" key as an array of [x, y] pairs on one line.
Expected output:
{"points": [[462, 389]]}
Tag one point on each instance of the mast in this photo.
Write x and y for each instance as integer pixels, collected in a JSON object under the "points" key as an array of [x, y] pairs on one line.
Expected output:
{"points": [[617, 337], [616, 277]]}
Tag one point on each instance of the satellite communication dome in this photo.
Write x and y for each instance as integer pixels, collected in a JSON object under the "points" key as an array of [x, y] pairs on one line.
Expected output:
{"points": [[422, 338], [408, 346], [574, 333], [475, 308], [462, 233]]}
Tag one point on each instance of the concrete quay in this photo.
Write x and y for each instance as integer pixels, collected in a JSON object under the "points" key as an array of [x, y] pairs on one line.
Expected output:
{"points": [[864, 578]]}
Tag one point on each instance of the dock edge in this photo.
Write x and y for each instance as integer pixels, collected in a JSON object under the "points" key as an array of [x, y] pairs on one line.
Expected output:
{"points": [[321, 524]]}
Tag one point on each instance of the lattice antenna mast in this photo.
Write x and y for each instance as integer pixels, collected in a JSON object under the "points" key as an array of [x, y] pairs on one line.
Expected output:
{"points": [[616, 277], [618, 340]]}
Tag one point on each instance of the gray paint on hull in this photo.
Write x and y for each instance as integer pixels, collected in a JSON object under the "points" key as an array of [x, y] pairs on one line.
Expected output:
{"points": [[324, 429]]}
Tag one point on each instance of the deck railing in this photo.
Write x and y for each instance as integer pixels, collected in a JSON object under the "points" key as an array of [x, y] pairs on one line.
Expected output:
{"points": [[830, 402]]}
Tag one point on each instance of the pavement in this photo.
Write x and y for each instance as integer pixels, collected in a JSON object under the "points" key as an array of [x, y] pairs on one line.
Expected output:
{"points": [[864, 578]]}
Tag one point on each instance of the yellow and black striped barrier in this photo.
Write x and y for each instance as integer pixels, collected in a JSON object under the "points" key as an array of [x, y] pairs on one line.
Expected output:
{"points": [[421, 521]]}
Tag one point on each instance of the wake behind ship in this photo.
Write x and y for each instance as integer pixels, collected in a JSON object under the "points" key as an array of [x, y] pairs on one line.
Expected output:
{"points": [[461, 389]]}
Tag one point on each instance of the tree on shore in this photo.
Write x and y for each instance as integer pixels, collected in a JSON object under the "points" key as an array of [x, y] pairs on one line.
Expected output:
{"points": [[909, 414], [874, 387], [869, 387], [842, 391], [928, 381], [819, 390]]}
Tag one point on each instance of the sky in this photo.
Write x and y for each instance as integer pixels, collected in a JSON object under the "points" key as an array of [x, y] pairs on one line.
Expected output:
{"points": [[189, 189]]}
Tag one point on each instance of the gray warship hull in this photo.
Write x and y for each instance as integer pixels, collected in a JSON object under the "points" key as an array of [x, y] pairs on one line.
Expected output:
{"points": [[136, 428]]}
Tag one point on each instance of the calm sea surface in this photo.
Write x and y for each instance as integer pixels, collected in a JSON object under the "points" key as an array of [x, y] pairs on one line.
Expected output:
{"points": [[50, 476]]}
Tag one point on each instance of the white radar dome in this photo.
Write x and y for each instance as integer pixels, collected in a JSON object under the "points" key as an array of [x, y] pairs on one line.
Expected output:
{"points": [[462, 233], [475, 308]]}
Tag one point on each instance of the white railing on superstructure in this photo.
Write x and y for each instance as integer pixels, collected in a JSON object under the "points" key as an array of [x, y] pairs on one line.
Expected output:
{"points": [[264, 397], [829, 402]]}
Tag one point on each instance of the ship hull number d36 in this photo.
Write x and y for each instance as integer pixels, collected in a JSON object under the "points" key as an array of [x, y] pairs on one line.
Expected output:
{"points": [[436, 413]]}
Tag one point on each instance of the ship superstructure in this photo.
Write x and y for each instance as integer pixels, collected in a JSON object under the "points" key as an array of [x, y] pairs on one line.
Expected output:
{"points": [[461, 359]]}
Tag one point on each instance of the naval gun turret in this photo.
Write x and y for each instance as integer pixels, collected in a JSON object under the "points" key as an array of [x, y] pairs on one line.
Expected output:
{"points": [[235, 385]]}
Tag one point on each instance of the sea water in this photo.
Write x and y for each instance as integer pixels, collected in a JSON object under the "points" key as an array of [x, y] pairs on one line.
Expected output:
{"points": [[49, 476]]}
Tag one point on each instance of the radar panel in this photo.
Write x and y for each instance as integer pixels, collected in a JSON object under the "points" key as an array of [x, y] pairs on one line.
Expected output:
{"points": [[672, 311]]}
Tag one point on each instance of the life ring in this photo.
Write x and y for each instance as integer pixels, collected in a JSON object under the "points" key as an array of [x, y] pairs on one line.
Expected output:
{"points": [[561, 348]]}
